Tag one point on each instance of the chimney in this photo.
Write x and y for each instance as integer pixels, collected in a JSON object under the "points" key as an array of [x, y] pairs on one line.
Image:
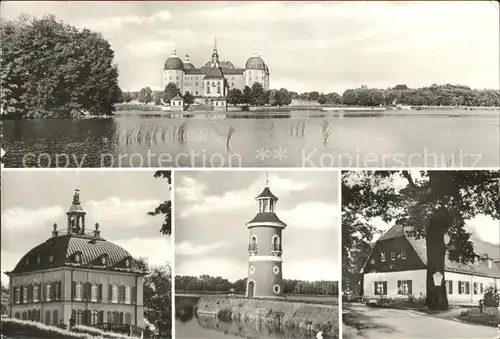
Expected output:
{"points": [[55, 233], [97, 233]]}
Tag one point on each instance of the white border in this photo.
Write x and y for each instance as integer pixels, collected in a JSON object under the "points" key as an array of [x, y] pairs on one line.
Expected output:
{"points": [[172, 243]]}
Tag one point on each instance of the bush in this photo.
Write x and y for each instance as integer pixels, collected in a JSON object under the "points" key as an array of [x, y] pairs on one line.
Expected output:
{"points": [[488, 316], [24, 328], [410, 302], [95, 332], [491, 297]]}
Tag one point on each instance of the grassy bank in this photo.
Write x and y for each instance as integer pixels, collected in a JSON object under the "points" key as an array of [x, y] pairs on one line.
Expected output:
{"points": [[490, 316]]}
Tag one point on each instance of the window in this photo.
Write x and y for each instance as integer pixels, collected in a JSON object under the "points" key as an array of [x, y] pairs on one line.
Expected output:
{"points": [[128, 318], [51, 258], [463, 287], [250, 78], [449, 286], [95, 317], [177, 78], [114, 294], [170, 78], [489, 263], [93, 293], [253, 243], [18, 295], [393, 256], [25, 294], [276, 243], [218, 89], [478, 288], [39, 259], [382, 257], [79, 291], [380, 287], [404, 287], [403, 254], [128, 294], [47, 317], [196, 83], [36, 292], [55, 318], [232, 84], [265, 205], [213, 84]]}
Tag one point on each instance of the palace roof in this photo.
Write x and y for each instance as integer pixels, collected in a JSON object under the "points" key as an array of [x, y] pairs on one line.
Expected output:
{"points": [[63, 251], [266, 217]]}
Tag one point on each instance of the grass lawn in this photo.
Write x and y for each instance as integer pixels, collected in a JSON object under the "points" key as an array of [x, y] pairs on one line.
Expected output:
{"points": [[490, 316]]}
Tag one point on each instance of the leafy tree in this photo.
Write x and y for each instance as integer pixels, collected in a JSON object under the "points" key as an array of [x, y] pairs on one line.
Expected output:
{"points": [[314, 95], [188, 98], [246, 98], [127, 97], [434, 205], [258, 96], [156, 97], [52, 69], [322, 99], [170, 92], [349, 97], [333, 98], [234, 96], [145, 95], [285, 97], [157, 296], [165, 208]]}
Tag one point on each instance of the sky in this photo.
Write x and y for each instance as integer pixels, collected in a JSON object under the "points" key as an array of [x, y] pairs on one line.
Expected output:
{"points": [[33, 200], [482, 227], [212, 208], [308, 46]]}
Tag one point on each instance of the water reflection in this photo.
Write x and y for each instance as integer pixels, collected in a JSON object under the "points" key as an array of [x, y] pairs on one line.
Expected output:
{"points": [[308, 139], [189, 324]]}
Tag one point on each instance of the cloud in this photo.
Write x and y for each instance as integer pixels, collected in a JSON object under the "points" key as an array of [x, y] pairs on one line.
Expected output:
{"points": [[228, 268], [21, 219], [312, 215], [149, 47], [115, 212], [311, 270], [193, 191], [115, 23], [157, 250], [485, 228], [188, 248]]}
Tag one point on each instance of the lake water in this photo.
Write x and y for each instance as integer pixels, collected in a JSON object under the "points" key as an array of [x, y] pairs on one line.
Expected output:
{"points": [[191, 326], [302, 139]]}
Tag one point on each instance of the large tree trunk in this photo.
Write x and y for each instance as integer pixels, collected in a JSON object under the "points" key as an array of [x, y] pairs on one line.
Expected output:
{"points": [[436, 251]]}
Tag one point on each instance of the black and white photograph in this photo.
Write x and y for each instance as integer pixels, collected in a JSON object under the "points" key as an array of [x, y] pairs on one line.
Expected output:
{"points": [[86, 254], [420, 254], [257, 254], [167, 84]]}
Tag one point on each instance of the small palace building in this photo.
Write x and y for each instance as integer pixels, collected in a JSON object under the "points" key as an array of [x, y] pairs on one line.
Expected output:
{"points": [[397, 265], [77, 274]]}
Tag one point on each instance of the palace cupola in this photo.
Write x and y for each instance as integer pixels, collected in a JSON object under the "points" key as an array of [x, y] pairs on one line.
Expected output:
{"points": [[76, 216], [265, 249]]}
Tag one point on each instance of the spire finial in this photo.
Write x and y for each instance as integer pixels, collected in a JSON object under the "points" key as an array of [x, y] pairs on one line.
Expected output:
{"points": [[76, 197], [267, 179], [215, 43], [254, 50], [174, 51]]}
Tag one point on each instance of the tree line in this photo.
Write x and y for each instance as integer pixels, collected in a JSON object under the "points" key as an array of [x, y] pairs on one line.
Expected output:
{"points": [[435, 95], [207, 283], [50, 69]]}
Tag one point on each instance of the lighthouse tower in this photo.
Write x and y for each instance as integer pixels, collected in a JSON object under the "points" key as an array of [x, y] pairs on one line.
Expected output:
{"points": [[265, 279]]}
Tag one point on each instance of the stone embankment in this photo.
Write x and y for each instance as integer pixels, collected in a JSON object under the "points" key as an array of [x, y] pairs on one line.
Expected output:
{"points": [[277, 313]]}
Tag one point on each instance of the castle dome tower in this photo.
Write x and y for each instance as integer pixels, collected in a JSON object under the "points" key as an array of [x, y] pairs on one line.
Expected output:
{"points": [[265, 279]]}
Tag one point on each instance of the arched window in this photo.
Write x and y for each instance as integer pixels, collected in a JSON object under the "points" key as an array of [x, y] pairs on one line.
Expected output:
{"points": [[25, 315], [253, 243], [55, 318], [17, 315], [276, 243], [110, 317], [47, 317]]}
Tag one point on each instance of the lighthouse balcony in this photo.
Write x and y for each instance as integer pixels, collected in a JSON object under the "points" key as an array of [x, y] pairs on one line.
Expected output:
{"points": [[253, 248]]}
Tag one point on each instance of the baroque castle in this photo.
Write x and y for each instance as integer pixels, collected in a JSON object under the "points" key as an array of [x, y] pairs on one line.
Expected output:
{"points": [[215, 78]]}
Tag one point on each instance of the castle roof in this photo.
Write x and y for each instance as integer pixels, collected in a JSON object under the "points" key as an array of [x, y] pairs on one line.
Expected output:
{"points": [[174, 63], [481, 248], [256, 63], [266, 217]]}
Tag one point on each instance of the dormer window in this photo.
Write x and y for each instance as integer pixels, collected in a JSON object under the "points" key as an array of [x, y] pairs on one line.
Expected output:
{"points": [[127, 262], [39, 259], [51, 258], [104, 260], [78, 257], [27, 261], [489, 263], [382, 257]]}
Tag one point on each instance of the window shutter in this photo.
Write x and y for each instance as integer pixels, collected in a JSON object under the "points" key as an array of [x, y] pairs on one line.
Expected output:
{"points": [[110, 292], [375, 288], [101, 314], [89, 317], [59, 290], [410, 292], [467, 288], [134, 295], [121, 317], [89, 291], [53, 290], [399, 287], [22, 294], [73, 290], [100, 292], [123, 294], [385, 287], [29, 296]]}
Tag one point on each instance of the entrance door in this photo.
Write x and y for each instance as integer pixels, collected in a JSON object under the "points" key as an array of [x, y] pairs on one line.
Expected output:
{"points": [[251, 289]]}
